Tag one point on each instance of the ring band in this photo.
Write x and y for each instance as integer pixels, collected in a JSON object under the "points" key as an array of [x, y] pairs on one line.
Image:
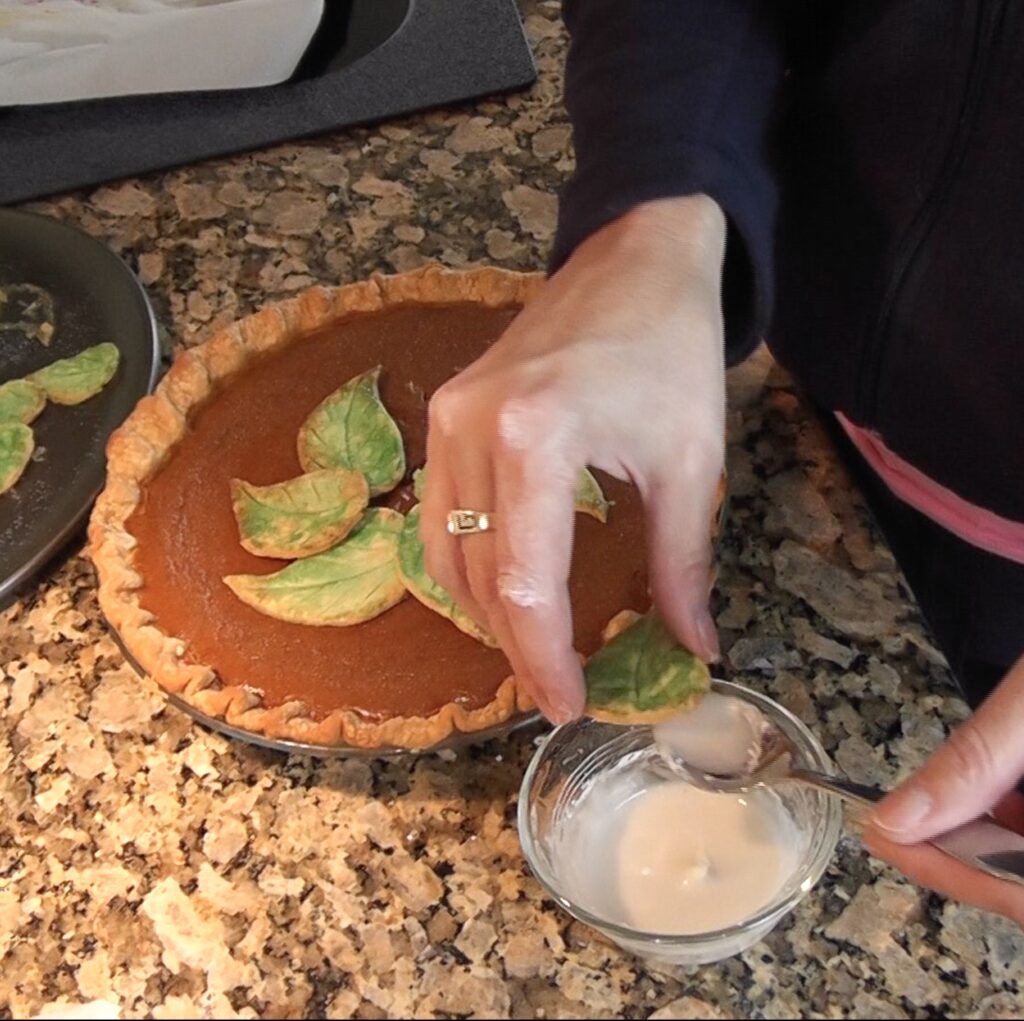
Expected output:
{"points": [[469, 522]]}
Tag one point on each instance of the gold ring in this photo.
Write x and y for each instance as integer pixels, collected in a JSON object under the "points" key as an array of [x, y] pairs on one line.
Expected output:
{"points": [[469, 522]]}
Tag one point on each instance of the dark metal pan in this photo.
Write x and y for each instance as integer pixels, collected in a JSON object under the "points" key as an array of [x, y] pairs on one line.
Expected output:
{"points": [[95, 298]]}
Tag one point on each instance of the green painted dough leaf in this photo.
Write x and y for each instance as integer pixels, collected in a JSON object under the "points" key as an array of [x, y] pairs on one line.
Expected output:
{"points": [[301, 517], [643, 675], [589, 497], [354, 582], [16, 446], [20, 401], [351, 428], [419, 483], [425, 589], [73, 380]]}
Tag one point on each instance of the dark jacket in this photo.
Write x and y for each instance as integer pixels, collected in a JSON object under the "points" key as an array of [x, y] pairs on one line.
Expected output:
{"points": [[870, 157]]}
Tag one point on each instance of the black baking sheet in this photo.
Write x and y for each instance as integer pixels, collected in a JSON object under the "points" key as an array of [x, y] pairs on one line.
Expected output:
{"points": [[441, 51], [96, 298]]}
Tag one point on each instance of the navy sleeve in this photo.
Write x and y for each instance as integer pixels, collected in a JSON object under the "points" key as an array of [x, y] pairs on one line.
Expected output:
{"points": [[676, 97]]}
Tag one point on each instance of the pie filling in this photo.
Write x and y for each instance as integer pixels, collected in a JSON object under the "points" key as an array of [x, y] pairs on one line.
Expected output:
{"points": [[410, 661]]}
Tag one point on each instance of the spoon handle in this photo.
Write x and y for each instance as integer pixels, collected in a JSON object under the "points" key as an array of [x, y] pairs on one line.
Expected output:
{"points": [[982, 844], [856, 793]]}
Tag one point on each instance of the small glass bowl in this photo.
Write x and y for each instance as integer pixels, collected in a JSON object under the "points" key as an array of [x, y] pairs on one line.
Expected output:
{"points": [[572, 756]]}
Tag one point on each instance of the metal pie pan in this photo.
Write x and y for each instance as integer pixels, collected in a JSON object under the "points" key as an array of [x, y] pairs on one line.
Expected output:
{"points": [[454, 741]]}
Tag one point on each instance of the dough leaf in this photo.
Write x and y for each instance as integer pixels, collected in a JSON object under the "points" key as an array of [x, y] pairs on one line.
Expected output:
{"points": [[349, 584], [20, 401], [16, 446], [589, 497], [352, 429], [643, 676], [419, 482], [73, 380], [425, 589], [301, 517]]}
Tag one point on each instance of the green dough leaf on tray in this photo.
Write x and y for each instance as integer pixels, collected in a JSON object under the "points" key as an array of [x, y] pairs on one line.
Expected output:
{"points": [[425, 589], [352, 429], [301, 517], [16, 446], [643, 675], [589, 497], [419, 483], [76, 379], [354, 582], [21, 401]]}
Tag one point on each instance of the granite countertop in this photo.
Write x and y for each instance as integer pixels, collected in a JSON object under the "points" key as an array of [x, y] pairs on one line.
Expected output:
{"points": [[149, 863]]}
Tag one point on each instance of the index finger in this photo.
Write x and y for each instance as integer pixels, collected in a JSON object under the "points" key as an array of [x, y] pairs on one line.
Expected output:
{"points": [[535, 519], [930, 867]]}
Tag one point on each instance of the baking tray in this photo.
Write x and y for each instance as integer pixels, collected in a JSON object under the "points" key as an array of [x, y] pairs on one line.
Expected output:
{"points": [[373, 59], [330, 751], [96, 298]]}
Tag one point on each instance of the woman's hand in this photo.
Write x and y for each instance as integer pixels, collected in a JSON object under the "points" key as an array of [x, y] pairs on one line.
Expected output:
{"points": [[974, 772], [618, 364]]}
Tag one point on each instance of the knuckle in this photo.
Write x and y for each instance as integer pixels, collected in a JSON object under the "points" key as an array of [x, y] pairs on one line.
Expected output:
{"points": [[521, 590], [700, 456], [519, 423], [446, 406], [972, 757], [533, 424]]}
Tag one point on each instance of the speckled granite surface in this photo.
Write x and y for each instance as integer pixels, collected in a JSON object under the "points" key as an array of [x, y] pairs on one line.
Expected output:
{"points": [[146, 862]]}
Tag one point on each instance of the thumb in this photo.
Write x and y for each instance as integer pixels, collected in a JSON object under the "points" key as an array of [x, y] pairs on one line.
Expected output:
{"points": [[967, 776], [680, 507]]}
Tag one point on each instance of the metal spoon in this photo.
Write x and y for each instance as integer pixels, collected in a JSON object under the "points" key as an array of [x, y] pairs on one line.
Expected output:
{"points": [[983, 843]]}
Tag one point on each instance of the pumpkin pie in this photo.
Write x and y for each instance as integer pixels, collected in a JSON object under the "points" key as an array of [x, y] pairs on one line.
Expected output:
{"points": [[165, 532]]}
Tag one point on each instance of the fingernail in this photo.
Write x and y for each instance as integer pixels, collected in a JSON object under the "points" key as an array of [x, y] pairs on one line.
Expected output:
{"points": [[556, 715], [560, 708], [902, 812], [708, 635], [563, 712]]}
